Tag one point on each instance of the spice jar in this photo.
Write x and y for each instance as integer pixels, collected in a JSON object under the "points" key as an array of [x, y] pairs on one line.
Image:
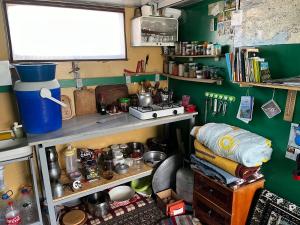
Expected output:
{"points": [[71, 160], [175, 70], [124, 104], [181, 70], [183, 48], [171, 64], [188, 49], [124, 149], [166, 66], [107, 167]]}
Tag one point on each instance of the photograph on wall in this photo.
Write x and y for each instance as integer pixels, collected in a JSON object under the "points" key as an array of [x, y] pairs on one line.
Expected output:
{"points": [[293, 147]]}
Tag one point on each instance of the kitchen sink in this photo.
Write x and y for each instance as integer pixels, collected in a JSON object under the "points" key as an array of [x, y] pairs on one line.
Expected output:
{"points": [[14, 149]]}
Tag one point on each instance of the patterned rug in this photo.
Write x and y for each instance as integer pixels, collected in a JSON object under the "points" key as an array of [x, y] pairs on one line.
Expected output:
{"points": [[270, 209], [139, 211]]}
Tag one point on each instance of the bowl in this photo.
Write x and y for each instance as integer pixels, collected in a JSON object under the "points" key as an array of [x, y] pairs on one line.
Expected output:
{"points": [[36, 72], [121, 193], [152, 158], [121, 168]]}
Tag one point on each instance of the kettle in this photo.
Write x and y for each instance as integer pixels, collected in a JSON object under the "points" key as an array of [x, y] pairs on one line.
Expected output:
{"points": [[145, 99]]}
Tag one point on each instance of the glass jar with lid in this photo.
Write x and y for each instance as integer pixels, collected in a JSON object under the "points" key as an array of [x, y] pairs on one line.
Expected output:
{"points": [[71, 159]]}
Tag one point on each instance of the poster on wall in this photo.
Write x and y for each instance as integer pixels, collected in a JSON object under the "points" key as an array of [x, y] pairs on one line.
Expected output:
{"points": [[268, 22], [293, 147]]}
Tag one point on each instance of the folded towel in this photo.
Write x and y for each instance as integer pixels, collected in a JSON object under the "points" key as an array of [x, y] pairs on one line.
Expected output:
{"points": [[212, 171], [233, 143], [229, 166]]}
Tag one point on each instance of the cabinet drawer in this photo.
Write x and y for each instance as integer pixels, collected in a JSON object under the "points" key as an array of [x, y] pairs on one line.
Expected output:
{"points": [[214, 192], [208, 213]]}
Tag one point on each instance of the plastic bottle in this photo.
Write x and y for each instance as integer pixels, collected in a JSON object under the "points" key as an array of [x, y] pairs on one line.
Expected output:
{"points": [[27, 207], [5, 198], [12, 215], [71, 160]]}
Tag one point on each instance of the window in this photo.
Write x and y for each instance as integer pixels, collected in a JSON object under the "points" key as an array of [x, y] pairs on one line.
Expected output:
{"points": [[44, 31]]}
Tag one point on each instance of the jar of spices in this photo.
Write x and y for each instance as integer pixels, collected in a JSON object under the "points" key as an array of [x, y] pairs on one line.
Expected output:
{"points": [[125, 150], [208, 49], [107, 167], [204, 48], [205, 72], [192, 70], [183, 48], [177, 48], [188, 49], [71, 159], [171, 64], [175, 70], [124, 104], [180, 70], [166, 66]]}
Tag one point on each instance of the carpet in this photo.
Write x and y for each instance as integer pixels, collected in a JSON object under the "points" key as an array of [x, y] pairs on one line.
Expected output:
{"points": [[141, 211], [270, 209]]}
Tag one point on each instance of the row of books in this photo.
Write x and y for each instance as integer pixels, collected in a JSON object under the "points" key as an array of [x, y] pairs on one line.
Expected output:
{"points": [[245, 65]]}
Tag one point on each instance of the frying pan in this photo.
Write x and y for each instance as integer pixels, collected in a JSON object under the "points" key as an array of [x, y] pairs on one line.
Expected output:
{"points": [[165, 175]]}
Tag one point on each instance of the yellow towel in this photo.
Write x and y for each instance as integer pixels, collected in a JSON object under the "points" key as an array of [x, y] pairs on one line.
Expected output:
{"points": [[223, 163]]}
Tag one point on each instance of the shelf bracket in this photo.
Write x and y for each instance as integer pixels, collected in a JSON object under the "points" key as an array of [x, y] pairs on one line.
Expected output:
{"points": [[290, 105]]}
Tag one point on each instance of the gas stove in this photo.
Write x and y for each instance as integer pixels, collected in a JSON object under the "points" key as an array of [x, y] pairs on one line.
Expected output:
{"points": [[156, 111]]}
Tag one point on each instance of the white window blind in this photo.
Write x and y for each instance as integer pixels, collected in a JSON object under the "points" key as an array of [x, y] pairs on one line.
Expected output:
{"points": [[57, 33]]}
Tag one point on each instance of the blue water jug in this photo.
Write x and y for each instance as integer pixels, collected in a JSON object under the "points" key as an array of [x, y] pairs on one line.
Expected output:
{"points": [[38, 115]]}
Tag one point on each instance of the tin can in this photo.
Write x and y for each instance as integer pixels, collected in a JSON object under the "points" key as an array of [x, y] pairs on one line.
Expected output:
{"points": [[171, 64], [188, 50]]}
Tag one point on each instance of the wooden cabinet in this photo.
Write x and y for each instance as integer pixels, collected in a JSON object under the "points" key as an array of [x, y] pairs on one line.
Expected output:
{"points": [[217, 204]]}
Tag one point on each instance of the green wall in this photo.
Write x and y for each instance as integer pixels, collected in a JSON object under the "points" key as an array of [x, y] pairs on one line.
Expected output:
{"points": [[284, 61]]}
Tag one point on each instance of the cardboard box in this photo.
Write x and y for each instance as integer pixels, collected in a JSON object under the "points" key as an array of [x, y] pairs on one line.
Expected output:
{"points": [[170, 203]]}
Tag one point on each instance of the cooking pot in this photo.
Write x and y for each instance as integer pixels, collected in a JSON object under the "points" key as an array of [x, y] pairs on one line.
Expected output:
{"points": [[152, 158], [98, 204], [145, 99]]}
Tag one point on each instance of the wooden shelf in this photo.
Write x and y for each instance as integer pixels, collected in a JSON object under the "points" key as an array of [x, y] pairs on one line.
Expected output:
{"points": [[208, 81], [194, 56], [269, 85], [138, 74], [101, 184]]}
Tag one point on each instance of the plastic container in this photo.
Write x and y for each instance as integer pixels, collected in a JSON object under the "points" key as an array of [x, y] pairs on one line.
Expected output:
{"points": [[27, 207], [36, 72], [39, 115], [12, 215], [71, 160]]}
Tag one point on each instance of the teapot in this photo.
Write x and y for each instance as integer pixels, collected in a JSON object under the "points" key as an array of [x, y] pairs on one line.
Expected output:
{"points": [[145, 99]]}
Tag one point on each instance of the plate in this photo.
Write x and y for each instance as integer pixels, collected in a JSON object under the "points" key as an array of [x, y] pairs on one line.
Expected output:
{"points": [[121, 193]]}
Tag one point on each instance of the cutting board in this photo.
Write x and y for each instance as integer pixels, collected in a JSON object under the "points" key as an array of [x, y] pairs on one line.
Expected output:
{"points": [[85, 102], [67, 112], [110, 93]]}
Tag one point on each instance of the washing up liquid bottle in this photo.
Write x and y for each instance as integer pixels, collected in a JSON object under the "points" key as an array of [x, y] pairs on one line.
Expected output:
{"points": [[12, 215]]}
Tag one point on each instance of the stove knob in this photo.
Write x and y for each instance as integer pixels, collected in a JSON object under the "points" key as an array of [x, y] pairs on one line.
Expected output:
{"points": [[175, 112], [154, 115]]}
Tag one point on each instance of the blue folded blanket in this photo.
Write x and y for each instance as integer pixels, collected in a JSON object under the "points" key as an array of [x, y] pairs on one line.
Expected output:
{"points": [[213, 171]]}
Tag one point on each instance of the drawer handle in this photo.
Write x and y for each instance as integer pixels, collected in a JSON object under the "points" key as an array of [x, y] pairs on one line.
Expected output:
{"points": [[209, 213]]}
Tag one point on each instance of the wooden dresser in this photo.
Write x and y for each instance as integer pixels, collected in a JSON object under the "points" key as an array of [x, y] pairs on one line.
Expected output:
{"points": [[216, 204]]}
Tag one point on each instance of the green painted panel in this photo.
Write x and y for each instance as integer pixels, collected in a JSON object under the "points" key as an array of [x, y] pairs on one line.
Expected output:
{"points": [[4, 89], [68, 83], [284, 61]]}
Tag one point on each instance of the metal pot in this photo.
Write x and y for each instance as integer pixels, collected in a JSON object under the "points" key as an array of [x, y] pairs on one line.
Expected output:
{"points": [[98, 204], [152, 158], [57, 189], [145, 99]]}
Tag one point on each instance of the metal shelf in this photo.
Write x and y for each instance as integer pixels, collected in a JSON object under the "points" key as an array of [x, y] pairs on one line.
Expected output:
{"points": [[103, 184], [96, 125]]}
